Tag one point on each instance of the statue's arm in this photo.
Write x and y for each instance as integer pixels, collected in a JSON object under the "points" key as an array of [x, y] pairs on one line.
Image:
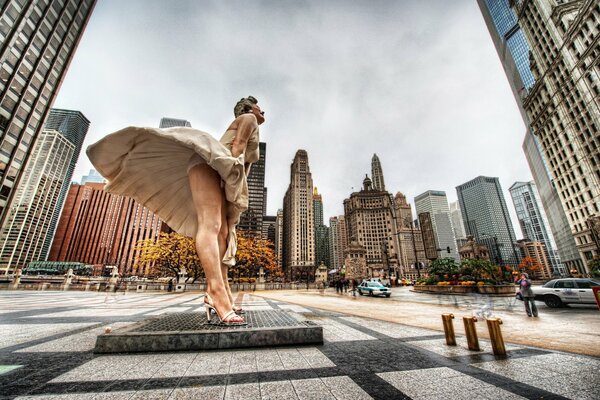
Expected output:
{"points": [[246, 124]]}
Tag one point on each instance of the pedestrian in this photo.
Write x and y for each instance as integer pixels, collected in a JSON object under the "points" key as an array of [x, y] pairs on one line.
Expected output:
{"points": [[170, 288], [345, 285], [528, 296]]}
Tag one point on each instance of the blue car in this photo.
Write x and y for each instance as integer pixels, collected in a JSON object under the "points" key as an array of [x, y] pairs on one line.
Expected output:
{"points": [[373, 289]]}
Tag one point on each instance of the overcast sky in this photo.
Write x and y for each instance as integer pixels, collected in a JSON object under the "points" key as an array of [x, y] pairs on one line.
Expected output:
{"points": [[417, 82]]}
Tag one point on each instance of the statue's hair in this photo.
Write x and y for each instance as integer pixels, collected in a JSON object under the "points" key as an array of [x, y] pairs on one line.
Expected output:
{"points": [[244, 105]]}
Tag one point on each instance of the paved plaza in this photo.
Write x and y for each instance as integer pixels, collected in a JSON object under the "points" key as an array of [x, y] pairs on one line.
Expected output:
{"points": [[46, 342]]}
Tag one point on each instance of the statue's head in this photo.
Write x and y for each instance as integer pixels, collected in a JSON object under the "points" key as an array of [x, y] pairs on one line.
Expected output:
{"points": [[244, 106]]}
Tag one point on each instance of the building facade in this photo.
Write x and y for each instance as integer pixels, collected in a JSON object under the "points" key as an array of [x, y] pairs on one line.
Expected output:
{"points": [[37, 42], [298, 219], [412, 257], [321, 231], [534, 224], [457, 224], [538, 252], [513, 50], [486, 218], [269, 227], [74, 126], [377, 174], [338, 241], [435, 203], [251, 220], [370, 222], [557, 219], [563, 106], [93, 177], [167, 122], [98, 227], [279, 238], [28, 228]]}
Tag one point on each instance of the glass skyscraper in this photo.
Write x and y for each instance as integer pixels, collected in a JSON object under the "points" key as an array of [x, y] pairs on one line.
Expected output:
{"points": [[513, 50], [73, 126], [30, 222], [435, 203], [251, 220], [38, 39], [486, 218], [533, 221], [509, 33]]}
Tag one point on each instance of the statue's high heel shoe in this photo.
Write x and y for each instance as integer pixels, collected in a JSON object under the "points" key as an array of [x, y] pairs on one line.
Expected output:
{"points": [[229, 319], [238, 310]]}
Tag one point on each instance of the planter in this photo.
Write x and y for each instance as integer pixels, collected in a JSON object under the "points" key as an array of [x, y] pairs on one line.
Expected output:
{"points": [[449, 289], [497, 289]]}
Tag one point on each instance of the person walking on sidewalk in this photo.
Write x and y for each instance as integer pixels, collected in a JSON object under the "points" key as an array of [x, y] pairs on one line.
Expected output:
{"points": [[528, 296]]}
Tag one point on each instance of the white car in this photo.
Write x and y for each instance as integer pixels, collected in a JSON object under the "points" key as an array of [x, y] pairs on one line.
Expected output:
{"points": [[558, 292]]}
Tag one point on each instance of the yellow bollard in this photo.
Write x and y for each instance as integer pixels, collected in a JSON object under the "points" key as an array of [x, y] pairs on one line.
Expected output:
{"points": [[496, 336], [449, 329], [471, 333]]}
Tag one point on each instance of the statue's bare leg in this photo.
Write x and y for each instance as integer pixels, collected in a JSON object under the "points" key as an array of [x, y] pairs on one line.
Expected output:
{"points": [[209, 201]]}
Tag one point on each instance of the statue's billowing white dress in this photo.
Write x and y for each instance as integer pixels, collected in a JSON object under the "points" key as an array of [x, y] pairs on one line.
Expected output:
{"points": [[150, 165]]}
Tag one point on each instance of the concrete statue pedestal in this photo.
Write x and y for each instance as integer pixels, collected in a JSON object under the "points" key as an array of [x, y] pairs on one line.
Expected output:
{"points": [[191, 331]]}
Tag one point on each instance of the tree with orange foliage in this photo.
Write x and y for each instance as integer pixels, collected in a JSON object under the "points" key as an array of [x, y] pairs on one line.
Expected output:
{"points": [[530, 265], [254, 253], [168, 255]]}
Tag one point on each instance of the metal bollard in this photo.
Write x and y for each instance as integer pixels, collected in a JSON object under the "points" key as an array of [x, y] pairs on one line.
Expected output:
{"points": [[449, 329], [471, 333], [496, 336]]}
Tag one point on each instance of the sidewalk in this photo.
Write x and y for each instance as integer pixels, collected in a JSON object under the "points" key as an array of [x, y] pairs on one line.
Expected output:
{"points": [[46, 342], [568, 329]]}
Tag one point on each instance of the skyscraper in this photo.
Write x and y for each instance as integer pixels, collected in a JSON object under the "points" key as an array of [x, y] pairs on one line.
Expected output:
{"points": [[37, 42], [410, 239], [370, 222], [98, 227], [279, 238], [557, 219], [533, 221], [338, 241], [377, 174], [251, 220], [435, 203], [92, 176], [562, 105], [457, 221], [298, 219], [166, 122], [73, 126], [269, 227], [321, 231], [511, 45], [28, 227], [503, 24], [486, 218]]}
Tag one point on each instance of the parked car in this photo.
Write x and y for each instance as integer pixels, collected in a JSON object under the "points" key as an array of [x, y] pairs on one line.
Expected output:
{"points": [[373, 288], [559, 292]]}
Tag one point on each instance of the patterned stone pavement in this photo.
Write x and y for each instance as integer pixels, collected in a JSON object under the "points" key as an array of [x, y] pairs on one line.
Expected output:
{"points": [[46, 342]]}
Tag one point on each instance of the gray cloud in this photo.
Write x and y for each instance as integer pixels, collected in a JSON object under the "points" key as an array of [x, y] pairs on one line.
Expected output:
{"points": [[418, 83]]}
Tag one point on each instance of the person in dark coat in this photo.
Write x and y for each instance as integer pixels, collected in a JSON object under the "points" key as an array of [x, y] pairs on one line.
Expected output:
{"points": [[528, 296]]}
